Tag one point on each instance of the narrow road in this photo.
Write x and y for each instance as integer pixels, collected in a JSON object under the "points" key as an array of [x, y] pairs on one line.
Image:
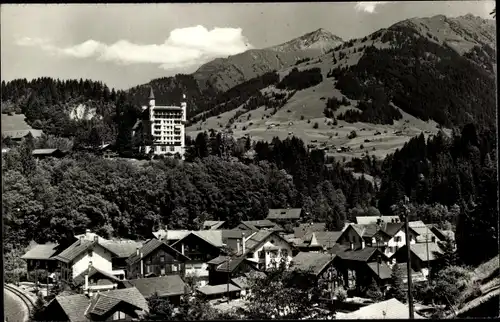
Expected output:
{"points": [[14, 308]]}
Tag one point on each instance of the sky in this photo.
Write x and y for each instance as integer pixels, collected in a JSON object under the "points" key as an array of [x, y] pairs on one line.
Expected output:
{"points": [[124, 45]]}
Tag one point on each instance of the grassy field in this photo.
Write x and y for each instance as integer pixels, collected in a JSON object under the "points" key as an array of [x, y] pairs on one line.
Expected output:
{"points": [[14, 122]]}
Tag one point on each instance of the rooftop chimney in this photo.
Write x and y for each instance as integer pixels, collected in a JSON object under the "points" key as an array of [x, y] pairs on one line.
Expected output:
{"points": [[243, 242], [142, 266], [137, 251]]}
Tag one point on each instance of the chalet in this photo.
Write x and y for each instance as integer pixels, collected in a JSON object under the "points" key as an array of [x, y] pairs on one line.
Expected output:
{"points": [[156, 258], [108, 151], [171, 287], [94, 280], [266, 248], [312, 267], [351, 263], [213, 224], [305, 228], [200, 249], [224, 268], [41, 256], [232, 239], [423, 256], [75, 259], [284, 216], [256, 225], [243, 282], [380, 272], [387, 236], [441, 234], [170, 236], [47, 153], [425, 234], [124, 304], [211, 292], [21, 134], [122, 249]]}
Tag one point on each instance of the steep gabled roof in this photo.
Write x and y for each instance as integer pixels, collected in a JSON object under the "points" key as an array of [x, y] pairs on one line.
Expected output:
{"points": [[150, 246], [226, 263], [256, 225], [304, 229], [170, 285], [284, 214], [212, 237], [383, 270], [218, 289], [360, 254], [424, 251], [41, 251], [213, 224], [73, 251], [80, 279], [313, 262], [390, 309], [121, 248]]}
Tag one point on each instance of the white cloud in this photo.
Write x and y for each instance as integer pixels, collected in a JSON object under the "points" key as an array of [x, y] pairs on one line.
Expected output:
{"points": [[368, 7], [184, 47]]}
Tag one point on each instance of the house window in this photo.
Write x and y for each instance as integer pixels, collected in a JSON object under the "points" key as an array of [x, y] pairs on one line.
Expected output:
{"points": [[433, 239], [198, 266], [118, 315], [174, 267], [89, 253], [148, 269], [163, 149], [284, 252], [162, 259], [162, 271], [172, 148], [397, 239], [189, 266]]}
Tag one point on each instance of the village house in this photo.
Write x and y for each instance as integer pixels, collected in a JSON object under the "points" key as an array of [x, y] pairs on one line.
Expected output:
{"points": [[156, 258], [122, 249], [85, 251], [200, 248], [94, 280], [18, 136], [123, 304], [423, 256], [224, 268], [212, 292], [171, 287], [232, 239], [313, 267], [108, 151], [317, 241], [266, 249], [257, 225], [351, 263], [366, 220], [388, 237], [425, 234], [47, 153], [41, 256], [288, 217]]}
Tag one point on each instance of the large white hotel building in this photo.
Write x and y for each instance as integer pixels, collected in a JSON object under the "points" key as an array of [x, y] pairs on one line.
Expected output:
{"points": [[166, 124]]}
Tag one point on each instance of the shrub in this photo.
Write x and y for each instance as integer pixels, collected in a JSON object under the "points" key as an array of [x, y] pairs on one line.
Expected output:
{"points": [[315, 126], [352, 135], [40, 275], [308, 121], [341, 294], [361, 147]]}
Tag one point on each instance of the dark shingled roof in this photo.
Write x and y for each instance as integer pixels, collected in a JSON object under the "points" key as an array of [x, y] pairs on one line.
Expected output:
{"points": [[382, 268], [43, 251], [73, 251], [76, 306], [420, 250], [360, 254], [150, 246], [304, 229], [256, 225], [217, 289], [170, 285], [80, 279], [325, 238], [290, 213], [313, 262], [224, 266], [241, 282], [257, 239], [213, 224], [121, 248]]}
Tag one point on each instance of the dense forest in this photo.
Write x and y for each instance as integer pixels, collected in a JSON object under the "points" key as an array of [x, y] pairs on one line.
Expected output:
{"points": [[425, 79]]}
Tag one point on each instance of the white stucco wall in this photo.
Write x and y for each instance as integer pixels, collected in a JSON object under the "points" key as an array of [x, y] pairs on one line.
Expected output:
{"points": [[402, 242], [101, 259], [278, 242]]}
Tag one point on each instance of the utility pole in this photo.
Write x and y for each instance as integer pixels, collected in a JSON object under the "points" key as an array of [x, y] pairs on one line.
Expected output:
{"points": [[427, 249], [408, 266]]}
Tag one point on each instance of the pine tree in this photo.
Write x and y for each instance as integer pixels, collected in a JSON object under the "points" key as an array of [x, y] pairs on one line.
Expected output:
{"points": [[373, 291], [396, 285]]}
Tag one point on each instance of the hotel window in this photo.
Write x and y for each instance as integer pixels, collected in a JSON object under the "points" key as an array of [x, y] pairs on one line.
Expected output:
{"points": [[172, 148]]}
